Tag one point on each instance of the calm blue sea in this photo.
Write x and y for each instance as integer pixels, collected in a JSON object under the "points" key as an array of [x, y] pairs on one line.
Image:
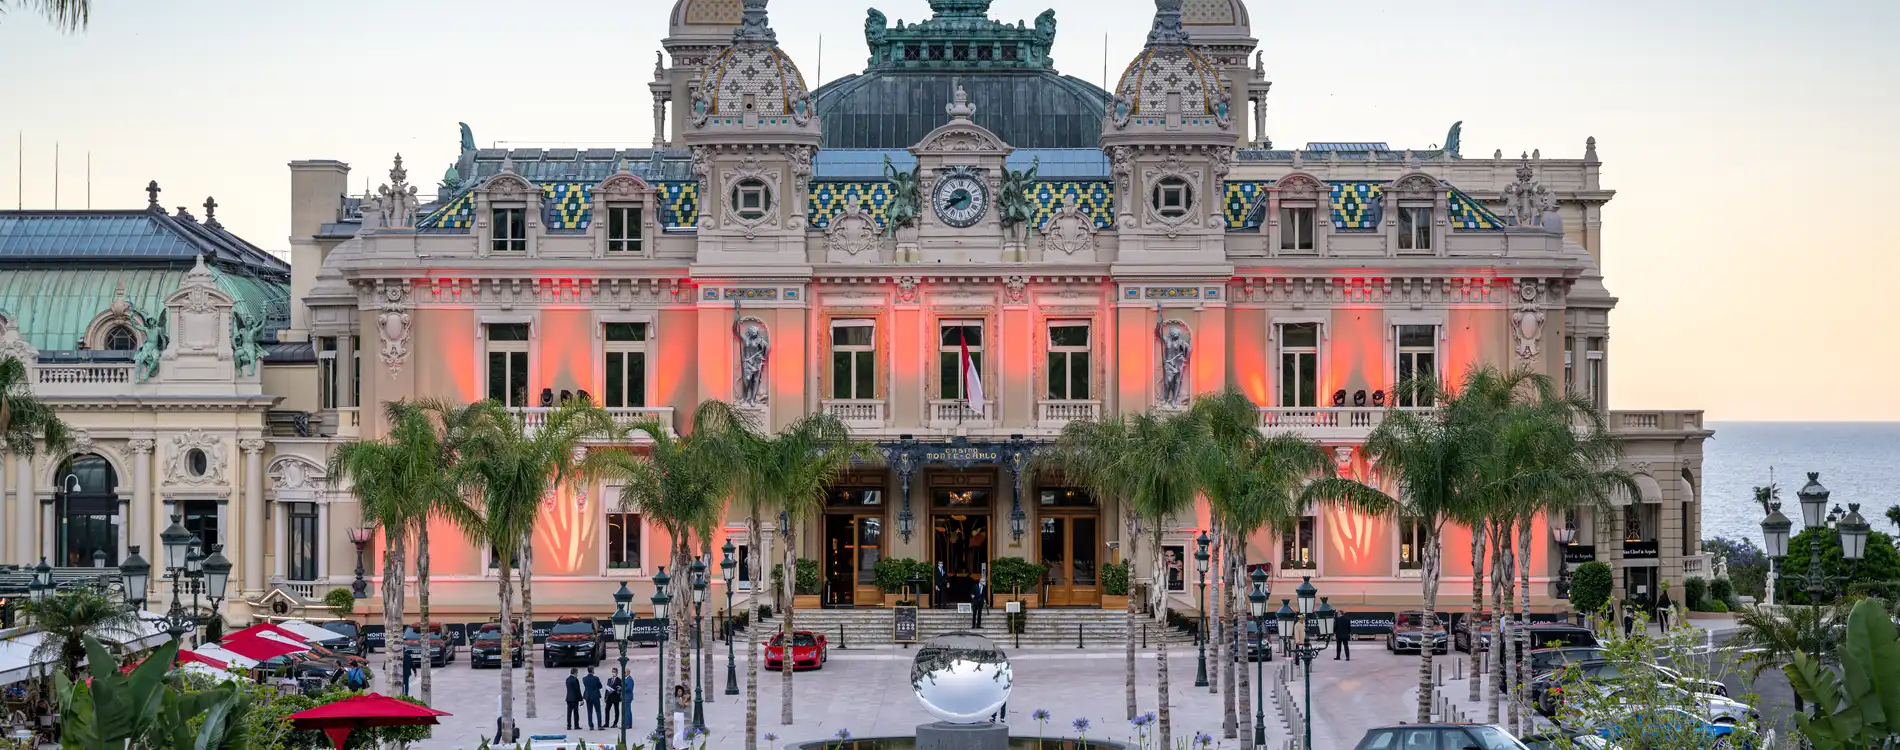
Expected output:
{"points": [[1859, 463]]}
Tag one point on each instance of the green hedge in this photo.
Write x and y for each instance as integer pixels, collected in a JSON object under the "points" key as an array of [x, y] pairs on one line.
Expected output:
{"points": [[1115, 579], [1590, 586], [1695, 592], [893, 573], [1014, 575], [806, 584]]}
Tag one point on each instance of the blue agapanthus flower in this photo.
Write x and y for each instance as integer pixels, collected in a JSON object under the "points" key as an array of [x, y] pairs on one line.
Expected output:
{"points": [[1203, 739], [844, 734], [1081, 725], [1040, 715]]}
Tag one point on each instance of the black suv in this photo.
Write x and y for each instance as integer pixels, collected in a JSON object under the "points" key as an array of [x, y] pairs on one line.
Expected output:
{"points": [[574, 640], [441, 649], [1257, 648], [356, 645], [1461, 636], [484, 649]]}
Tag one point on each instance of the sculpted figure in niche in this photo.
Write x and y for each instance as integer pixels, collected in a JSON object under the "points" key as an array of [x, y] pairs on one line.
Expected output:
{"points": [[1175, 348], [245, 329], [755, 347]]}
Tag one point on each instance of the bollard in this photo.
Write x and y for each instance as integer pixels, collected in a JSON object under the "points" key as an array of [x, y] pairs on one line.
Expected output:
{"points": [[841, 646], [1144, 636], [1078, 635]]}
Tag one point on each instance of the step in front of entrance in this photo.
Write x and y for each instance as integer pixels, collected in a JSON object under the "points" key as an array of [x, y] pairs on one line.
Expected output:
{"points": [[1098, 628]]}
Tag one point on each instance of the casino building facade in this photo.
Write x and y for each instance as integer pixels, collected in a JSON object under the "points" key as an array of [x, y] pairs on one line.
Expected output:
{"points": [[859, 248]]}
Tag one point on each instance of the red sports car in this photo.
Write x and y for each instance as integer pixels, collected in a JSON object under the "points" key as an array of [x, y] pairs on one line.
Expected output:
{"points": [[808, 651]]}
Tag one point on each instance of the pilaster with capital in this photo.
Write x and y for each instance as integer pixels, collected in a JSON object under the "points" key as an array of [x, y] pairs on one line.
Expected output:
{"points": [[25, 514], [253, 516], [141, 515]]}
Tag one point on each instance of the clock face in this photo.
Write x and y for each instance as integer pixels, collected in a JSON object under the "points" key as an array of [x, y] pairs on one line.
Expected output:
{"points": [[961, 200]]}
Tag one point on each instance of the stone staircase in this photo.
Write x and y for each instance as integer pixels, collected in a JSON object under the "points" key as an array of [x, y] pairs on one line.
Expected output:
{"points": [[1099, 629]]}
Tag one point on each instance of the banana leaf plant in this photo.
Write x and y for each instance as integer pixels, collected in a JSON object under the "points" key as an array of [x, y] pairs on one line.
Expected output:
{"points": [[143, 709], [1861, 709]]}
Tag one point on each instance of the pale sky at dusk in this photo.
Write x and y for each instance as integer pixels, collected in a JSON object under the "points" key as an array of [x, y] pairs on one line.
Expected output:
{"points": [[1751, 241]]}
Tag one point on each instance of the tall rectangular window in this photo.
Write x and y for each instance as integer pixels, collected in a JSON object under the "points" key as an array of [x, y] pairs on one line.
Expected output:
{"points": [[508, 364], [1069, 361], [326, 372], [623, 229], [510, 230], [1296, 547], [201, 519], [1415, 228], [1417, 358], [854, 359], [1296, 228], [1412, 538], [303, 540], [1593, 369], [953, 336], [623, 540], [742, 556], [1570, 368], [625, 364], [1299, 364]]}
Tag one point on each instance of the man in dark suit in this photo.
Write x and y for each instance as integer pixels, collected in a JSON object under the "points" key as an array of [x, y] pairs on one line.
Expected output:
{"points": [[982, 602], [590, 689], [573, 699], [1342, 634], [611, 711]]}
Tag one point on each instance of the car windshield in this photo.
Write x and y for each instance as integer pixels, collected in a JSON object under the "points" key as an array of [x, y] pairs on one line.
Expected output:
{"points": [[1561, 637], [344, 628], [798, 639], [574, 628], [490, 630], [1492, 738], [409, 633], [1545, 661]]}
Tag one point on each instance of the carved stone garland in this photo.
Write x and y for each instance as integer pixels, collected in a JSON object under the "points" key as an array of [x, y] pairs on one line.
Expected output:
{"points": [[178, 463], [393, 328]]}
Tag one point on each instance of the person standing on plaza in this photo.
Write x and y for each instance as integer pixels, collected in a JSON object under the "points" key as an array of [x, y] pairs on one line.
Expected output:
{"points": [[573, 699], [1342, 633], [982, 601], [682, 702], [611, 711], [590, 689], [1664, 608]]}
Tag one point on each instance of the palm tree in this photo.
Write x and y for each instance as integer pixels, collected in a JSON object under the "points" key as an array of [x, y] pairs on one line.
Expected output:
{"points": [[719, 421], [66, 618], [1769, 639], [25, 420], [66, 15], [1089, 454], [511, 469], [791, 470], [439, 499]]}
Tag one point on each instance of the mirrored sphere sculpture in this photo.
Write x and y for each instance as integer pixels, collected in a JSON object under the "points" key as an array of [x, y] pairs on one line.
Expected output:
{"points": [[961, 678]]}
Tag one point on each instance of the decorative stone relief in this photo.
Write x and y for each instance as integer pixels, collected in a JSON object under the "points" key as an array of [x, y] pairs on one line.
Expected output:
{"points": [[907, 289], [755, 349], [853, 235], [1172, 168], [1069, 232], [1525, 198], [1177, 345], [295, 474], [1015, 289], [13, 344], [750, 168], [392, 327], [397, 200], [179, 465], [1528, 323], [141, 446], [1342, 459]]}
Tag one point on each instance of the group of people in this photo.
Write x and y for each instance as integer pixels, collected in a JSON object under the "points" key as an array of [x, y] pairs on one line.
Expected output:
{"points": [[591, 691]]}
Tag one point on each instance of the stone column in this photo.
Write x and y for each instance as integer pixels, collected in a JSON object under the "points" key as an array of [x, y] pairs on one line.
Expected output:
{"points": [[253, 516], [324, 544], [6, 547], [49, 525], [25, 515], [140, 530], [659, 121]]}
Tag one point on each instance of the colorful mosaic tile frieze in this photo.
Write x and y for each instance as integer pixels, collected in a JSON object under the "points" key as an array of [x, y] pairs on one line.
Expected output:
{"points": [[566, 206], [1240, 202], [1469, 215], [456, 216], [1356, 205], [679, 204], [828, 199]]}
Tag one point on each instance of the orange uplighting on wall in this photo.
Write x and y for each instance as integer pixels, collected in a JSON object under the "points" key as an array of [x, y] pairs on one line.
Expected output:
{"points": [[566, 526]]}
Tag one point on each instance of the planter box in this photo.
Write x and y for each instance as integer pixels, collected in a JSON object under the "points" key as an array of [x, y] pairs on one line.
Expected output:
{"points": [[1000, 602], [804, 601], [1117, 603], [1709, 615], [891, 600]]}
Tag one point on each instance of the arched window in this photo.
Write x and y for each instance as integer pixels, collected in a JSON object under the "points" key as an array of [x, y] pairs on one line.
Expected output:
{"points": [[120, 338], [86, 510]]}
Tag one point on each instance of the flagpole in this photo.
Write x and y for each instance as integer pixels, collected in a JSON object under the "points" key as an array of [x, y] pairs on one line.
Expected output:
{"points": [[963, 370]]}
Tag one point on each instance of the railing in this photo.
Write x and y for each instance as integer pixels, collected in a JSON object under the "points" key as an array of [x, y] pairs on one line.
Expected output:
{"points": [[1064, 412], [304, 589], [1696, 565], [535, 417], [1340, 421], [1655, 421], [84, 374], [953, 411], [856, 412], [349, 422]]}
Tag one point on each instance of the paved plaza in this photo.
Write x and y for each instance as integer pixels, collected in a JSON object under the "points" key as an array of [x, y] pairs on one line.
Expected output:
{"points": [[868, 692]]}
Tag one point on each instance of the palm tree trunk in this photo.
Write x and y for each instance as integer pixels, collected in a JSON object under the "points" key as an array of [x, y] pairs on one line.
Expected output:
{"points": [[1243, 693], [507, 662], [393, 553], [1133, 536], [1500, 631], [1430, 577], [1161, 654], [1505, 574], [683, 593], [422, 602], [1473, 627], [1227, 651], [1524, 580], [527, 616], [790, 532], [756, 564], [705, 675]]}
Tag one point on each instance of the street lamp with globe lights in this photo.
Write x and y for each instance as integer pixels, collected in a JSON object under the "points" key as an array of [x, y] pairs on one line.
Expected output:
{"points": [[360, 536], [1301, 649], [181, 562], [1200, 635], [623, 630], [1851, 526], [729, 570], [217, 573], [1257, 603], [699, 643], [660, 602]]}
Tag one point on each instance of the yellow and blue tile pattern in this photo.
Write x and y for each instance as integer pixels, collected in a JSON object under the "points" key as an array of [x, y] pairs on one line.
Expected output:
{"points": [[1095, 199], [1356, 205], [1469, 215], [1239, 203], [828, 199], [457, 216], [566, 206], [679, 204]]}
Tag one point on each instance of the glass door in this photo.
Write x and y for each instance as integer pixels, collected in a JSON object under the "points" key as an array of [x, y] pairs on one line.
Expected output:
{"points": [[963, 553], [839, 560], [1071, 549]]}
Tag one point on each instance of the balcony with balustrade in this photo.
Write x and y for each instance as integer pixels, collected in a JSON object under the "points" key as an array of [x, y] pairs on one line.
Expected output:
{"points": [[535, 417], [952, 413], [857, 413], [84, 377], [1630, 424], [1054, 415], [1338, 423]]}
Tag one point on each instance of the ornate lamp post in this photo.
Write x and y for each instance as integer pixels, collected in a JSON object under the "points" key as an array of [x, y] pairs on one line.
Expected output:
{"points": [[1200, 632], [178, 563], [217, 571], [360, 536], [623, 630], [136, 573], [1564, 536], [1301, 649], [699, 643], [1257, 602], [1852, 528], [729, 570], [43, 586], [660, 602]]}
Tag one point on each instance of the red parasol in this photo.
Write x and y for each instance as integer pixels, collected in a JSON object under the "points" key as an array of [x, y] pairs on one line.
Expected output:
{"points": [[184, 657], [366, 711], [265, 627], [259, 648]]}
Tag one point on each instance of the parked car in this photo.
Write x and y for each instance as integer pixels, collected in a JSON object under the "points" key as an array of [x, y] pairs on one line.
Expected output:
{"points": [[809, 651], [357, 645], [1461, 636], [574, 640], [1551, 659], [304, 666], [1408, 633], [1542, 635], [484, 649], [441, 649], [1436, 736], [1256, 648], [1547, 689], [1653, 727], [1557, 740]]}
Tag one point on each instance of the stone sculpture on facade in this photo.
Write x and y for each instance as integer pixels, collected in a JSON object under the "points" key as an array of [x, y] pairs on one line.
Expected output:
{"points": [[1014, 204], [397, 200], [1452, 138], [755, 348], [1529, 325], [907, 197], [1526, 198], [1176, 347], [246, 352], [1069, 232], [154, 338], [392, 327], [181, 467], [852, 235]]}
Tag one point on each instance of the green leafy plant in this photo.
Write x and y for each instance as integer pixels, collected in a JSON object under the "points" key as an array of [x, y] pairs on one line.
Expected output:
{"points": [[1115, 579], [1640, 707], [111, 710], [807, 583], [1590, 586], [893, 573], [1881, 562], [1722, 590], [1861, 709], [341, 602], [1695, 592], [1014, 575]]}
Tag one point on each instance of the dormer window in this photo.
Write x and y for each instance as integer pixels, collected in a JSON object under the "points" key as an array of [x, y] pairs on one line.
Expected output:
{"points": [[1296, 228], [1415, 228], [751, 198], [511, 230], [623, 229], [1172, 197], [120, 339]]}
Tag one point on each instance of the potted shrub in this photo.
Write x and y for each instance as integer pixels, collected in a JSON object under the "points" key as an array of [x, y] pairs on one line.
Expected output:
{"points": [[892, 575], [1015, 579], [805, 585], [1115, 586]]}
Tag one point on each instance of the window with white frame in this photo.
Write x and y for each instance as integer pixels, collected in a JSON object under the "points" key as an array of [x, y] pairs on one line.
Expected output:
{"points": [[1069, 360], [1413, 535], [1593, 371], [953, 337], [1299, 364], [624, 364], [1417, 357], [854, 358], [623, 229], [623, 540], [508, 363], [1570, 368], [742, 556], [301, 521], [1296, 546], [510, 226], [751, 198], [327, 373], [1415, 228], [1296, 228]]}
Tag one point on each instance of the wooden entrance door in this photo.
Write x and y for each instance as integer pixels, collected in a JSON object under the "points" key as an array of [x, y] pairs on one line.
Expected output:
{"points": [[853, 544], [1072, 549]]}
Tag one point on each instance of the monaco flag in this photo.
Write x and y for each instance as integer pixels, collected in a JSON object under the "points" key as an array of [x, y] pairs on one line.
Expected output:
{"points": [[972, 380]]}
